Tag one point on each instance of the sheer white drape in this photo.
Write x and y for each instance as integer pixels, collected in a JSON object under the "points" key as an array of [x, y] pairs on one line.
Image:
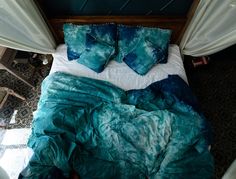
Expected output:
{"points": [[213, 28], [22, 27]]}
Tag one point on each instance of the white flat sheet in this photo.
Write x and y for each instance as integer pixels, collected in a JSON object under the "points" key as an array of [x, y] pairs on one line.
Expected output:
{"points": [[119, 73]]}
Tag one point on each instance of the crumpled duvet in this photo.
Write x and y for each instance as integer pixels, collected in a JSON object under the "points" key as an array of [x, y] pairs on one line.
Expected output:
{"points": [[102, 131]]}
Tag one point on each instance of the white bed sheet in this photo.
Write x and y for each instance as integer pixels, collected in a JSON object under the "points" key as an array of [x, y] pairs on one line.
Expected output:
{"points": [[120, 74]]}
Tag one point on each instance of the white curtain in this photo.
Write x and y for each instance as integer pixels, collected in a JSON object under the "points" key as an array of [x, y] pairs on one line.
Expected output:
{"points": [[22, 27], [213, 28]]}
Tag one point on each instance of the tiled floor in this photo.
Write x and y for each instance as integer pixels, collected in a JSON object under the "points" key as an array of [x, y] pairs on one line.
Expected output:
{"points": [[24, 109], [14, 154], [17, 115]]}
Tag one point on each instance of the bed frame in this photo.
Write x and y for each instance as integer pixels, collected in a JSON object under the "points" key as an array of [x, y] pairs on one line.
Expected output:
{"points": [[178, 24]]}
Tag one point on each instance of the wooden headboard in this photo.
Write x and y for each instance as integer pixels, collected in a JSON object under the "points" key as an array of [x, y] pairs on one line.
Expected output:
{"points": [[177, 24]]}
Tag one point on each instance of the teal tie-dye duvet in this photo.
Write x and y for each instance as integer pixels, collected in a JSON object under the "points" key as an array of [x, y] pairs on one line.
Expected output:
{"points": [[102, 131]]}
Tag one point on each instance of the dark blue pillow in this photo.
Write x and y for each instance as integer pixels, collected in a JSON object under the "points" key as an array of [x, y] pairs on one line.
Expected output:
{"points": [[90, 45], [142, 47]]}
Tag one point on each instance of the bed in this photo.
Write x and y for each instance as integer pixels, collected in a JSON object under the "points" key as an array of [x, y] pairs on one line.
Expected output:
{"points": [[117, 123]]}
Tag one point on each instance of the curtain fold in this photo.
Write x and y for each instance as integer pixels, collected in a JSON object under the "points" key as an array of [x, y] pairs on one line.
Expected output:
{"points": [[22, 27], [213, 28]]}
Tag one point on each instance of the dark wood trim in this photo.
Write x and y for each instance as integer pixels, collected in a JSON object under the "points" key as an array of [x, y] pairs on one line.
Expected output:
{"points": [[119, 19]]}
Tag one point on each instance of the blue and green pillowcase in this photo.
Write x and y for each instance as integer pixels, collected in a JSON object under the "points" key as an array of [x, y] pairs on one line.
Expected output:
{"points": [[91, 45], [142, 47]]}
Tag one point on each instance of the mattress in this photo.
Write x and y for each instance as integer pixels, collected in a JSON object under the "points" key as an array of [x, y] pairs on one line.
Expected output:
{"points": [[120, 74]]}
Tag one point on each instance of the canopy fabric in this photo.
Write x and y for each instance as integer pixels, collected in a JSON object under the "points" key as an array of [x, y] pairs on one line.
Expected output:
{"points": [[23, 27], [213, 28]]}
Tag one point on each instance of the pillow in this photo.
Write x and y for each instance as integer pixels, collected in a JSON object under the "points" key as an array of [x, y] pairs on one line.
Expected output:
{"points": [[142, 47], [90, 45]]}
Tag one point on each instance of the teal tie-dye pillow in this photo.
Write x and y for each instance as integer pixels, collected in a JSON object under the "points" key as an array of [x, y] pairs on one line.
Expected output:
{"points": [[142, 47], [90, 45]]}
